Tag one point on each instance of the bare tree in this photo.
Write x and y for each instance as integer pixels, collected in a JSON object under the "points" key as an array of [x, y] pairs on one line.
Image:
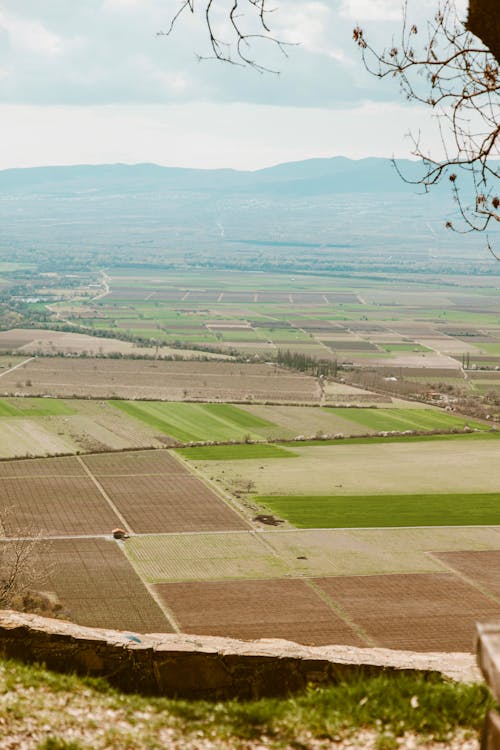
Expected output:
{"points": [[443, 66], [446, 68], [21, 569], [246, 23]]}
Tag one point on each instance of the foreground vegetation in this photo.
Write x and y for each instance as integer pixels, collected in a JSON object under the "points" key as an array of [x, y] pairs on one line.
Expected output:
{"points": [[41, 710]]}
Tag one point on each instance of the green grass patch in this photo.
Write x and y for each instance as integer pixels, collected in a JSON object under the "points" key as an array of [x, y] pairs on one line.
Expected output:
{"points": [[34, 407], [390, 703], [235, 452], [404, 419], [186, 421], [367, 511], [483, 435]]}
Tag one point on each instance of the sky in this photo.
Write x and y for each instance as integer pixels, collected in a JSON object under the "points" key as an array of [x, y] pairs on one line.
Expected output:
{"points": [[92, 81]]}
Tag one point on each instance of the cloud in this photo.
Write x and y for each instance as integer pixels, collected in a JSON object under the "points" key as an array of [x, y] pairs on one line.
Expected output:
{"points": [[29, 36]]}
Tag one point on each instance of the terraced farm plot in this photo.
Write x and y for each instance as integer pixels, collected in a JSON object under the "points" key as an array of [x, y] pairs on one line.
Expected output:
{"points": [[203, 557], [421, 612], [97, 586], [406, 419], [363, 511], [56, 506], [192, 422], [287, 609], [175, 502]]}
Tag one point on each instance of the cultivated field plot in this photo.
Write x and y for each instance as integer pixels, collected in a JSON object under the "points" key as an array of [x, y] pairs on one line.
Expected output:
{"points": [[56, 506], [171, 381], [97, 586], [164, 558], [66, 466], [329, 552], [244, 451], [193, 422], [134, 463], [423, 612], [168, 503], [204, 557], [153, 491], [450, 466], [360, 511], [287, 609], [44, 426], [406, 419], [38, 341], [482, 567]]}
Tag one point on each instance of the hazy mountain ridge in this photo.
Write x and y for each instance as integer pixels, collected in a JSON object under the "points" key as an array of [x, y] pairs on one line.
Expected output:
{"points": [[312, 176]]}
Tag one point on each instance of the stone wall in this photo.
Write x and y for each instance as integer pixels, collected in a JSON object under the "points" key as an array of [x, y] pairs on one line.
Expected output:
{"points": [[203, 667]]}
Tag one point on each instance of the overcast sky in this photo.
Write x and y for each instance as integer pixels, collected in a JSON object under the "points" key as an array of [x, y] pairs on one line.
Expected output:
{"points": [[88, 81]]}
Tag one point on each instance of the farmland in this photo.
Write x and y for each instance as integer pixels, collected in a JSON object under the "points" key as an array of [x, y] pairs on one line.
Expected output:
{"points": [[196, 561], [452, 466], [158, 379], [187, 422], [379, 540], [347, 511]]}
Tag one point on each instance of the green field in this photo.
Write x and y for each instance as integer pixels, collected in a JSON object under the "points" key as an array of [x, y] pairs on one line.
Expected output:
{"points": [[361, 511], [405, 419], [235, 452], [483, 435], [190, 422], [34, 407]]}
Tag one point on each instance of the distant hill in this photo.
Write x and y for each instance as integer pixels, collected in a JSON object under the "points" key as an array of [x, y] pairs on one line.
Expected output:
{"points": [[319, 213], [310, 177]]}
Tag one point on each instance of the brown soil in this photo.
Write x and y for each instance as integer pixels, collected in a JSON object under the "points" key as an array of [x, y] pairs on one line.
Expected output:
{"points": [[41, 467], [98, 587], [134, 463], [482, 567], [103, 378], [420, 612], [55, 506], [287, 609], [174, 502]]}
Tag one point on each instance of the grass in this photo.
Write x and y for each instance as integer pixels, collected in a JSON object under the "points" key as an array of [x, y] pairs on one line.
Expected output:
{"points": [[483, 435], [405, 419], [34, 407], [235, 452], [368, 511], [190, 422], [72, 713]]}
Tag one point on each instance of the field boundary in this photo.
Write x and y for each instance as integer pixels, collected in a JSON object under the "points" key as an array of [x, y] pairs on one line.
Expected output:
{"points": [[105, 495]]}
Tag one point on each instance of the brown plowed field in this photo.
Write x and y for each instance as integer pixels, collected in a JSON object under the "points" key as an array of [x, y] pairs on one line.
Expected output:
{"points": [[420, 611], [256, 609], [156, 504], [55, 506], [482, 566], [134, 463], [108, 378], [98, 587], [42, 467]]}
